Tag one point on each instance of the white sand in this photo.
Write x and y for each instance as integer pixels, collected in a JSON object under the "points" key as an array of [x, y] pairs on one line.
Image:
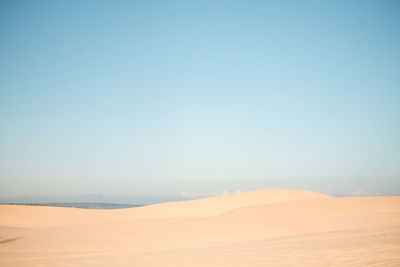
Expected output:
{"points": [[270, 227]]}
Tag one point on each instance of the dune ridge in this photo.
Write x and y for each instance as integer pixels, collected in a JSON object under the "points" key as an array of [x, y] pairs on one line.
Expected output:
{"points": [[229, 229]]}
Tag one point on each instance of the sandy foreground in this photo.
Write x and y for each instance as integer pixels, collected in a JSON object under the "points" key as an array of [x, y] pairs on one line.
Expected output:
{"points": [[272, 227]]}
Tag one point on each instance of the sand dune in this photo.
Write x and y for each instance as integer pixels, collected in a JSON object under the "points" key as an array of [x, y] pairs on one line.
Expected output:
{"points": [[37, 217], [271, 227]]}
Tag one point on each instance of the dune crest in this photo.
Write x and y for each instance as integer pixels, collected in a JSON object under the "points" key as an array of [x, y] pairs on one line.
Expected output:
{"points": [[213, 206]]}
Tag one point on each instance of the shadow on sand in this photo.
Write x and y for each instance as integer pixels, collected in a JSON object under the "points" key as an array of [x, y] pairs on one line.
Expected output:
{"points": [[3, 241]]}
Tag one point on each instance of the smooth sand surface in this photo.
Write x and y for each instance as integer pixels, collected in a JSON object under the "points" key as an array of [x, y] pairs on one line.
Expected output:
{"points": [[272, 227]]}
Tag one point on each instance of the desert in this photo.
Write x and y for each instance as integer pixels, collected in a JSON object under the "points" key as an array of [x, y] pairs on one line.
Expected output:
{"points": [[271, 227], [199, 133]]}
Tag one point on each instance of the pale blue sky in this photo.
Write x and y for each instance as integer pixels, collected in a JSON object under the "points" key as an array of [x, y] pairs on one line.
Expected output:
{"points": [[162, 97]]}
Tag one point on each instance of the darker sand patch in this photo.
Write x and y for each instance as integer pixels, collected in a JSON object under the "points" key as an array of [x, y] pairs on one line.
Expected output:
{"points": [[3, 241]]}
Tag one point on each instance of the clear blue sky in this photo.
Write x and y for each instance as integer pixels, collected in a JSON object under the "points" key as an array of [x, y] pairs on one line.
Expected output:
{"points": [[159, 97]]}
